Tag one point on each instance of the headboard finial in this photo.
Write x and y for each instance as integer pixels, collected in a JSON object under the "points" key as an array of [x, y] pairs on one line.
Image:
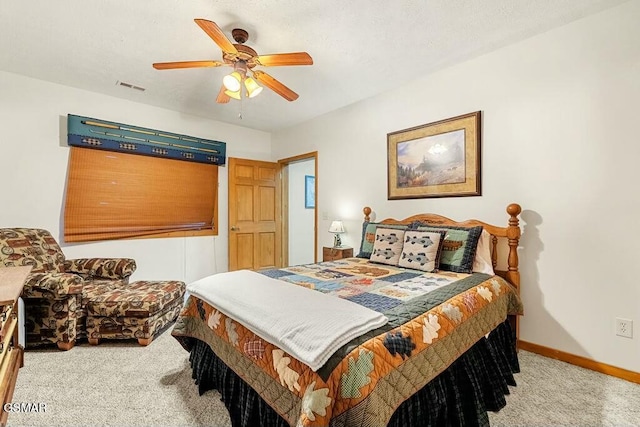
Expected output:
{"points": [[367, 212], [514, 209]]}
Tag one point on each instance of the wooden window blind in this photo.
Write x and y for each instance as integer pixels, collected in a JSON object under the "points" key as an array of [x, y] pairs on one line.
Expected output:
{"points": [[114, 195]]}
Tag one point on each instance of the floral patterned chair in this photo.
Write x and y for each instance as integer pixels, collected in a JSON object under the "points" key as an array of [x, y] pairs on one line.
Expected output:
{"points": [[57, 290]]}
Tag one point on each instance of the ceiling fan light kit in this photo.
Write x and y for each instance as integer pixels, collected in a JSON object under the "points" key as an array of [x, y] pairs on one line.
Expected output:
{"points": [[253, 88], [235, 94], [243, 59], [232, 81]]}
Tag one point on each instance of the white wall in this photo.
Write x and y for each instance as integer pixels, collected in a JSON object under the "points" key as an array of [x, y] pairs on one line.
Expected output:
{"points": [[301, 219], [33, 161], [560, 137]]}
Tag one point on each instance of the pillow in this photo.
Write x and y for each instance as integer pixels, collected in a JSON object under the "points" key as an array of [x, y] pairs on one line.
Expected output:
{"points": [[459, 247], [387, 247], [369, 237], [421, 250], [482, 261]]}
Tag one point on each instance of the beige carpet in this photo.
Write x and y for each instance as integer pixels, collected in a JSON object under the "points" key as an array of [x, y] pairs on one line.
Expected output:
{"points": [[554, 393], [115, 384], [123, 384]]}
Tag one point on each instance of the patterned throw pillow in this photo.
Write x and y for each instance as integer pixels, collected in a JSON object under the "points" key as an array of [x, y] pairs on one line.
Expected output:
{"points": [[459, 247], [369, 237], [421, 250], [388, 246]]}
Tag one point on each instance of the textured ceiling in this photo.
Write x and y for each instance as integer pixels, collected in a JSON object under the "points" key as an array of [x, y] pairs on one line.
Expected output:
{"points": [[359, 47]]}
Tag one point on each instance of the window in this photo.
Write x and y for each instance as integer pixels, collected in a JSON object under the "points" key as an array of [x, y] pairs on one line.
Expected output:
{"points": [[112, 195]]}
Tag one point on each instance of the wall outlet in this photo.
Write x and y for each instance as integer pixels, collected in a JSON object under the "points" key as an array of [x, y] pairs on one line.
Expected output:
{"points": [[624, 327]]}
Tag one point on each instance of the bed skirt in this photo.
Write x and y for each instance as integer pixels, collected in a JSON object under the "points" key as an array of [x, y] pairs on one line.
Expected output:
{"points": [[475, 383]]}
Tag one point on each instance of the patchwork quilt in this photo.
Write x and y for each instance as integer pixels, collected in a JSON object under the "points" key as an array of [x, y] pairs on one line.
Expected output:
{"points": [[433, 319]]}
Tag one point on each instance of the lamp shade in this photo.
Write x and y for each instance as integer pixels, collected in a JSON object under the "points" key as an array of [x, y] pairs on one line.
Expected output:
{"points": [[234, 94], [336, 227], [232, 81], [252, 87]]}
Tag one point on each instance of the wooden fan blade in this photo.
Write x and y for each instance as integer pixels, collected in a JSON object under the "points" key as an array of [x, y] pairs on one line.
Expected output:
{"points": [[186, 64], [280, 59], [223, 98], [275, 85], [212, 29]]}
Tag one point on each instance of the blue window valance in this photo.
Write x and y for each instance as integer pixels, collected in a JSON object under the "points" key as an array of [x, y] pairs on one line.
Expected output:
{"points": [[104, 135]]}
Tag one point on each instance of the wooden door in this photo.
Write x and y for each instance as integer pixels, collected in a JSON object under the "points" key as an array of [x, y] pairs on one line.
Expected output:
{"points": [[255, 215]]}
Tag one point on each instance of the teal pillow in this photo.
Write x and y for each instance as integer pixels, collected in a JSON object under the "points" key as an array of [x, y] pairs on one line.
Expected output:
{"points": [[459, 247], [369, 237]]}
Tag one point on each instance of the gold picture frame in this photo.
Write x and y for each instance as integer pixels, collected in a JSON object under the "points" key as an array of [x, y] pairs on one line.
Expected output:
{"points": [[439, 159]]}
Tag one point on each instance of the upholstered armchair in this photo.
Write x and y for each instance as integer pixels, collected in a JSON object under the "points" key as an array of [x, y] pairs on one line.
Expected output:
{"points": [[57, 289]]}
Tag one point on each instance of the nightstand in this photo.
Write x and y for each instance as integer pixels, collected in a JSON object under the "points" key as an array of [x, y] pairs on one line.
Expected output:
{"points": [[11, 352], [332, 254]]}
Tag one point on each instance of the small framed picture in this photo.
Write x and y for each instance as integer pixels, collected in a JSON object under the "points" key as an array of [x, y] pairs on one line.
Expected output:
{"points": [[309, 192]]}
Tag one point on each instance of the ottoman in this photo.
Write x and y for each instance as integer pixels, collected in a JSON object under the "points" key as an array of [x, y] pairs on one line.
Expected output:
{"points": [[137, 310]]}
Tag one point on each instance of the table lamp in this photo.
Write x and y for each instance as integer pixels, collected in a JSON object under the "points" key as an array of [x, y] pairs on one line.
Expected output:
{"points": [[336, 228]]}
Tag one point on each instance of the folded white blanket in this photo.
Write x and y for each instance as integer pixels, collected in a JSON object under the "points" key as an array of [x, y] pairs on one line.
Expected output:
{"points": [[307, 324]]}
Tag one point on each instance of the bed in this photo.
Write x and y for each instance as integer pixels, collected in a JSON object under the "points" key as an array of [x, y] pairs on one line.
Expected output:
{"points": [[444, 354]]}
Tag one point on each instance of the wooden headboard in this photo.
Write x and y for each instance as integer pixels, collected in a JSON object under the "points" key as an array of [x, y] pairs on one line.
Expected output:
{"points": [[511, 233]]}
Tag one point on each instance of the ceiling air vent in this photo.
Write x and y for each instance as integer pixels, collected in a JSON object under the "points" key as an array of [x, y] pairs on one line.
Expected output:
{"points": [[130, 86]]}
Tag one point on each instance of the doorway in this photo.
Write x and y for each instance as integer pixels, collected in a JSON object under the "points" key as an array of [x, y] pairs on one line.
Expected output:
{"points": [[300, 214]]}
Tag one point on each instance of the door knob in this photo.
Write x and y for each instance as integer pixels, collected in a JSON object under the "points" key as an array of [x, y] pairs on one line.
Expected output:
{"points": [[234, 228]]}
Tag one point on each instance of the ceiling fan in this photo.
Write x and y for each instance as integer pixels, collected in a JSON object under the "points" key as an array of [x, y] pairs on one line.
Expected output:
{"points": [[243, 59]]}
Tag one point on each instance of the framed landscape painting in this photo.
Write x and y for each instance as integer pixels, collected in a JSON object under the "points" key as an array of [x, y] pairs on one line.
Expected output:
{"points": [[439, 159]]}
